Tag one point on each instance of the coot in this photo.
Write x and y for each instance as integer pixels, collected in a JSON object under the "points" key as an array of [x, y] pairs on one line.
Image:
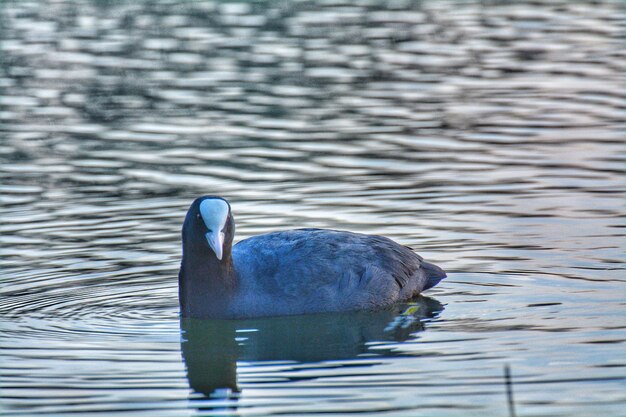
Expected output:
{"points": [[290, 272]]}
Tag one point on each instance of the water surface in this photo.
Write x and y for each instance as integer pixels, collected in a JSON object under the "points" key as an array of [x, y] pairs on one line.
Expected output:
{"points": [[489, 136]]}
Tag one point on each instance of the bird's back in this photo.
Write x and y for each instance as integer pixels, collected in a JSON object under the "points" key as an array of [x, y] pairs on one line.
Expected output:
{"points": [[314, 270]]}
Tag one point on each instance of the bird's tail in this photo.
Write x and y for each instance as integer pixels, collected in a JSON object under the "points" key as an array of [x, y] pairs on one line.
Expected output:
{"points": [[433, 274]]}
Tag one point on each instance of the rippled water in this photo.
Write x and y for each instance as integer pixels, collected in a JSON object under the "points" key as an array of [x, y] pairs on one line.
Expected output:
{"points": [[487, 135]]}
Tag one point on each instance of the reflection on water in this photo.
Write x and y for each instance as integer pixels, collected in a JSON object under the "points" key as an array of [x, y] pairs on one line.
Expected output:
{"points": [[486, 135], [212, 348]]}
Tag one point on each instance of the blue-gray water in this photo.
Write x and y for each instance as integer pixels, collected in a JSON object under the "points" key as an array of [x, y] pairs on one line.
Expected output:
{"points": [[487, 135]]}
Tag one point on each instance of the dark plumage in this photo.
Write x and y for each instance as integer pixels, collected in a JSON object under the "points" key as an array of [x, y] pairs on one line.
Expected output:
{"points": [[291, 272]]}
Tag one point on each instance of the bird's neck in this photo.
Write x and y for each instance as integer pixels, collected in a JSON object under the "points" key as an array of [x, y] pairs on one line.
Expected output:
{"points": [[206, 284]]}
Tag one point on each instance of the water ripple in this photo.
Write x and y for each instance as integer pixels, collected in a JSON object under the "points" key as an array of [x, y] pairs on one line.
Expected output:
{"points": [[487, 136]]}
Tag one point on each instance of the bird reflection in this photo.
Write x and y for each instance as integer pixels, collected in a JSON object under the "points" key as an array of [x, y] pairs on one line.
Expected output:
{"points": [[211, 348]]}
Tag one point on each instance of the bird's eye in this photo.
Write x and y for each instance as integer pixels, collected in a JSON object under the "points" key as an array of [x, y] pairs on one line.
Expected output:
{"points": [[198, 216]]}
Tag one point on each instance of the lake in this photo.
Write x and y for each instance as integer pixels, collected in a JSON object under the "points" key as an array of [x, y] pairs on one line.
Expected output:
{"points": [[487, 135]]}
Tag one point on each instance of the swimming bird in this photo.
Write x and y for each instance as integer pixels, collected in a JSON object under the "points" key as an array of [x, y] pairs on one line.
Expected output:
{"points": [[290, 272]]}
